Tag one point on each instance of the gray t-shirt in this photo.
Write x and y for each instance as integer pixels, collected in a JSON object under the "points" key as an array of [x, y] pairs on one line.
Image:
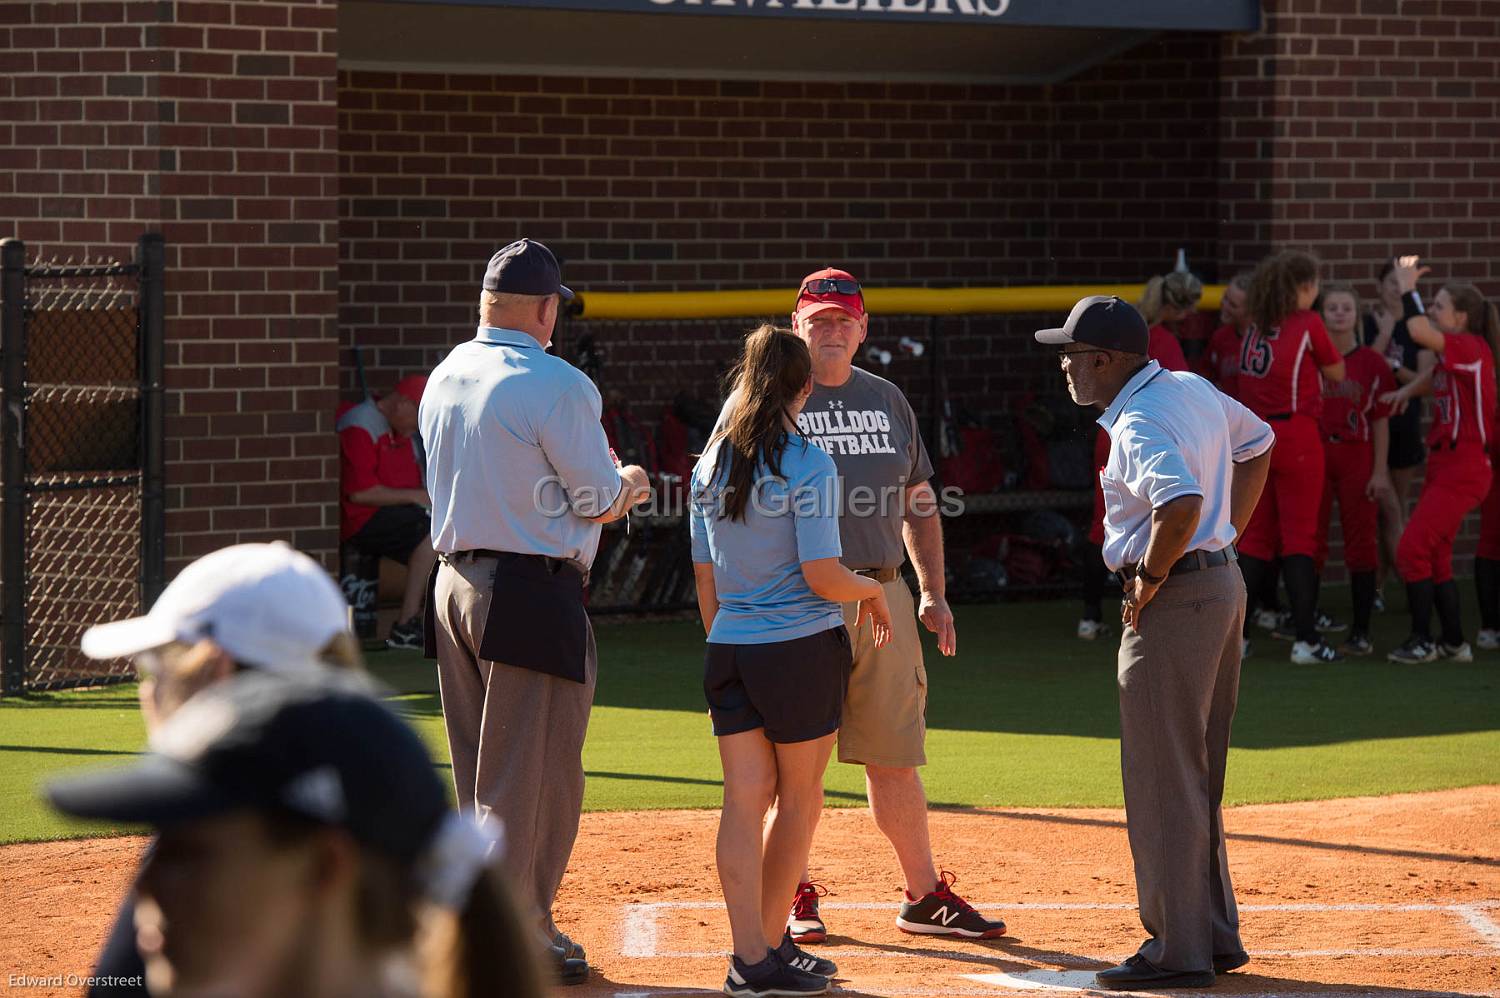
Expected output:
{"points": [[871, 432]]}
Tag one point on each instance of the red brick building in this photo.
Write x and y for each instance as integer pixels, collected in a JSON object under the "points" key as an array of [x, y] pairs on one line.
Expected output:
{"points": [[329, 175]]}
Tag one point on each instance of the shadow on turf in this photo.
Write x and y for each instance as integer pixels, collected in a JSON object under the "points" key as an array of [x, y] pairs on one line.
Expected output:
{"points": [[60, 750], [1063, 819], [1020, 671]]}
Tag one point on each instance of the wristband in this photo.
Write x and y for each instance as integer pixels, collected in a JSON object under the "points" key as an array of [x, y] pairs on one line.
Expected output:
{"points": [[1140, 570], [1411, 305]]}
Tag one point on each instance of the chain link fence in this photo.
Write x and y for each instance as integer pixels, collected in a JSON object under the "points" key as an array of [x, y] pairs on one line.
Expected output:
{"points": [[82, 526]]}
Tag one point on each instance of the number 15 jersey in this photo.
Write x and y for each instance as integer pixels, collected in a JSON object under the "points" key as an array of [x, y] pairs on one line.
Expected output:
{"points": [[1279, 370]]}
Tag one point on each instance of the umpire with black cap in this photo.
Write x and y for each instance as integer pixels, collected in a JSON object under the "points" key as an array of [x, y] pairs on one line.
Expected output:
{"points": [[1185, 470], [521, 478]]}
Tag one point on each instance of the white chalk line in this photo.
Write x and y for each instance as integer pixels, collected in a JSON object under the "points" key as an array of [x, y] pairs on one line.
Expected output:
{"points": [[641, 934], [1483, 926]]}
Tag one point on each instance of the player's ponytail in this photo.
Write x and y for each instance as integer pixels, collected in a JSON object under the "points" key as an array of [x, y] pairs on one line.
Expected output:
{"points": [[1179, 290], [1274, 287], [1484, 318], [769, 376]]}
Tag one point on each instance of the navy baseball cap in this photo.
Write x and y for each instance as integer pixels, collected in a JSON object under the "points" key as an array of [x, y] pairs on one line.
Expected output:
{"points": [[525, 267], [1102, 321], [324, 750]]}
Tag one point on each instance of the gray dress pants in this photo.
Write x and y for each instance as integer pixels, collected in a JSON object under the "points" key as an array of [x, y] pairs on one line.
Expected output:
{"points": [[515, 736], [1179, 677]]}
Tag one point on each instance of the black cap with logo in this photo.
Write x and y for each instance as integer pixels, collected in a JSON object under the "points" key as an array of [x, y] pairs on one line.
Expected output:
{"points": [[525, 267], [1102, 321]]}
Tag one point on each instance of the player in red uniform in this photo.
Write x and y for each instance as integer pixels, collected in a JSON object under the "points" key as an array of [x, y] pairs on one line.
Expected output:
{"points": [[1283, 353], [1165, 351], [1355, 439], [1220, 362], [1487, 559], [1167, 305], [1462, 330]]}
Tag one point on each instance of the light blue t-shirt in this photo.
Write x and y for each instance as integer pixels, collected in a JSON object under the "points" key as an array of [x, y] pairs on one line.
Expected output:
{"points": [[758, 560]]}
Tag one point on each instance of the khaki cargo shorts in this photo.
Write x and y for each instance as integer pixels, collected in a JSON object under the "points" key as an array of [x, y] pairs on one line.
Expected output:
{"points": [[885, 709]]}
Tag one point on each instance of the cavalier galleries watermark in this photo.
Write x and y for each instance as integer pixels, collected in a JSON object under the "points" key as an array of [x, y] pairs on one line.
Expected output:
{"points": [[75, 981], [769, 496]]}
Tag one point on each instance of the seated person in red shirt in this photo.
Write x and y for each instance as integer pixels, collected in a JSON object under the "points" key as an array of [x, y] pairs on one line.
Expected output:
{"points": [[385, 508]]}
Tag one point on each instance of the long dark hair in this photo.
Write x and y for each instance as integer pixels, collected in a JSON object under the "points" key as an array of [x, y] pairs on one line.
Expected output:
{"points": [[1273, 288], [769, 376], [1484, 318]]}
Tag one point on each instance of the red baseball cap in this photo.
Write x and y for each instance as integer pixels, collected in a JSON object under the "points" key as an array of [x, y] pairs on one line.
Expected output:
{"points": [[810, 303], [412, 387]]}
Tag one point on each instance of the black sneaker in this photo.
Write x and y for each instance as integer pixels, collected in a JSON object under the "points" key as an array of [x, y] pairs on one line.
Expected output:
{"points": [[771, 977], [407, 636], [944, 913], [1414, 652], [1358, 644], [1327, 625], [566, 969], [795, 956]]}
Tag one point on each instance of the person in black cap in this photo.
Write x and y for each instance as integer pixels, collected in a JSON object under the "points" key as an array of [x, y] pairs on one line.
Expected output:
{"points": [[521, 478], [304, 842], [1186, 467]]}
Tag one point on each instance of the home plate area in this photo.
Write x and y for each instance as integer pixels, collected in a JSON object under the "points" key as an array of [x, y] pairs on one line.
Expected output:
{"points": [[1354, 941], [1394, 896]]}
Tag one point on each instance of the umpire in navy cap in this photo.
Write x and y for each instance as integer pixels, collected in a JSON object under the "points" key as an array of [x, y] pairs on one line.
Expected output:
{"points": [[1185, 470], [521, 478]]}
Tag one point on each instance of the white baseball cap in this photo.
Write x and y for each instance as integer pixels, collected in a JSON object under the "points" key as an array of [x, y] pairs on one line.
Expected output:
{"points": [[267, 605]]}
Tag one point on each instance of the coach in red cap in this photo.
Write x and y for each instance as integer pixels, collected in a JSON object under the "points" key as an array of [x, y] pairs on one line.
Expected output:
{"points": [[870, 430], [384, 506]]}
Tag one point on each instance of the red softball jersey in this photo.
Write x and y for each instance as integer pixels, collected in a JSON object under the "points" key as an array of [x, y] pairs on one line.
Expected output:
{"points": [[1165, 350], [1351, 405], [1279, 371], [1220, 362], [1463, 393]]}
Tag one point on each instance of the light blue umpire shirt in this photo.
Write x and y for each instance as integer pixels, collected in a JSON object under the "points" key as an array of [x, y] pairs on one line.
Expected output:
{"points": [[1172, 434], [517, 459], [758, 560]]}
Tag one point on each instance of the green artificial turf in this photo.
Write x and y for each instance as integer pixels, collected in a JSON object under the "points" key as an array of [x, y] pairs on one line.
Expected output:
{"points": [[1024, 716]]}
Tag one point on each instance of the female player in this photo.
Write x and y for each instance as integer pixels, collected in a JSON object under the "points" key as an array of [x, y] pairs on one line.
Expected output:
{"points": [[1168, 301], [1355, 438], [1385, 332], [1165, 350], [307, 848], [1284, 351], [1462, 330], [766, 549]]}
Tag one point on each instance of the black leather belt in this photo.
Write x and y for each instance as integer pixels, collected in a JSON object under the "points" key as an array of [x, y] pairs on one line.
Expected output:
{"points": [[1191, 562], [881, 575], [553, 565]]}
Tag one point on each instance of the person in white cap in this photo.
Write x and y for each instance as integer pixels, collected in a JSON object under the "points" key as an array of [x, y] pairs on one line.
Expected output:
{"points": [[306, 846], [260, 607]]}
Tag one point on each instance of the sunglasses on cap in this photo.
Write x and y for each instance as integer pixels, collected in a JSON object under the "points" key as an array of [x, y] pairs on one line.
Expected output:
{"points": [[831, 286]]}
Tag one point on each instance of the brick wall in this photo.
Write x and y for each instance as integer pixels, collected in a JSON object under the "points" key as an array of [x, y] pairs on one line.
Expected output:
{"points": [[663, 184], [215, 124]]}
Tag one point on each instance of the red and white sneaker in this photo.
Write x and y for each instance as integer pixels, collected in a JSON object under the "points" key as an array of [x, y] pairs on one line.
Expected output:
{"points": [[944, 913], [803, 923]]}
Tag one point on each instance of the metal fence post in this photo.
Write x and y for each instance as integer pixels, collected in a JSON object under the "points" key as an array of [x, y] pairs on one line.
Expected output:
{"points": [[151, 254], [13, 466]]}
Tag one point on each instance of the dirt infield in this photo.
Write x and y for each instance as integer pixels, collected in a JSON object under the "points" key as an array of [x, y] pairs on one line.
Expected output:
{"points": [[1393, 896]]}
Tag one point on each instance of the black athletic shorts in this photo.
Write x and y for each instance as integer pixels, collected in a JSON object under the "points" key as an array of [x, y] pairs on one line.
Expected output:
{"points": [[794, 689], [1406, 450], [394, 532]]}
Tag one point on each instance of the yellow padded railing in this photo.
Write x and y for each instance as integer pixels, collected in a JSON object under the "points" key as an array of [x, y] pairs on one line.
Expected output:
{"points": [[880, 301]]}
